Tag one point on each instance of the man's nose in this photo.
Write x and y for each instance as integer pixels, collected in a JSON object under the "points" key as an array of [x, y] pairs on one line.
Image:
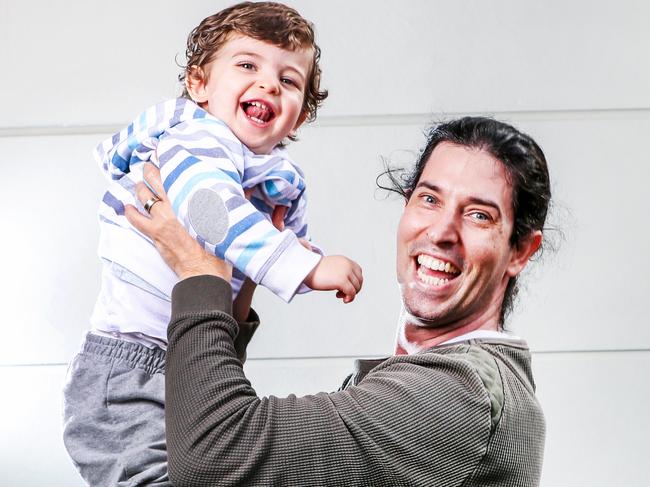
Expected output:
{"points": [[445, 229]]}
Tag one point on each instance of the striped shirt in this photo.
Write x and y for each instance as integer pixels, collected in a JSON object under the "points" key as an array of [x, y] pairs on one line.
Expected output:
{"points": [[195, 152]]}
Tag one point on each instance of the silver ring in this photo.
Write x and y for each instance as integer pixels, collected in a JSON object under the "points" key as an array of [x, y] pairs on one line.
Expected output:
{"points": [[150, 202]]}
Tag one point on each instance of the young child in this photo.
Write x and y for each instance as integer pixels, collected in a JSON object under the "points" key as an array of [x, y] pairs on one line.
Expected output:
{"points": [[252, 78]]}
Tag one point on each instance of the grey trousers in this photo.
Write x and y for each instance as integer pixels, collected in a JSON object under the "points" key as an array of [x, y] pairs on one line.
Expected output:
{"points": [[114, 413]]}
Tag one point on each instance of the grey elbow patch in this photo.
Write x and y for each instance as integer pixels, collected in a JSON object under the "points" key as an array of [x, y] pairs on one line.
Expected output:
{"points": [[208, 216]]}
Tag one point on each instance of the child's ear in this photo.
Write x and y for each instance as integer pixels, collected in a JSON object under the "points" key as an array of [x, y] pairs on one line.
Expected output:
{"points": [[195, 84], [301, 119]]}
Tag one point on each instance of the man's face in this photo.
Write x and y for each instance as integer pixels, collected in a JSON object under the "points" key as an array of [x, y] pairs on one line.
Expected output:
{"points": [[257, 89], [454, 257]]}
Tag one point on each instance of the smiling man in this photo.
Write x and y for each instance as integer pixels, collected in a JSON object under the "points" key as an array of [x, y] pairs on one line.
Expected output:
{"points": [[456, 251], [455, 405]]}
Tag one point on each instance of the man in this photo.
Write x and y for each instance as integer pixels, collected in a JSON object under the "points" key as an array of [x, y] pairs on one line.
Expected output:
{"points": [[455, 405]]}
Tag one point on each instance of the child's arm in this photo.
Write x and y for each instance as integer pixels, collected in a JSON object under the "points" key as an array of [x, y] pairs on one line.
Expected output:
{"points": [[336, 273], [201, 174], [333, 273]]}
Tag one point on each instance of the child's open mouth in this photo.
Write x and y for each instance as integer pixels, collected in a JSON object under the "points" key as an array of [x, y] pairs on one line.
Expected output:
{"points": [[258, 111]]}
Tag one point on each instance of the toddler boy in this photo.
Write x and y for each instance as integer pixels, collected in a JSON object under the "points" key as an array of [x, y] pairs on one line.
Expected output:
{"points": [[251, 79]]}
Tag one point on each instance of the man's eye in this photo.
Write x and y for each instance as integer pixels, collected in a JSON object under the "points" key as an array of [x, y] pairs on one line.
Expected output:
{"points": [[429, 199], [480, 216]]}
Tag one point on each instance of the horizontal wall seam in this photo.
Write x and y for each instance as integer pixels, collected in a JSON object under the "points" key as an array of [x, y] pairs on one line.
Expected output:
{"points": [[360, 120], [355, 357]]}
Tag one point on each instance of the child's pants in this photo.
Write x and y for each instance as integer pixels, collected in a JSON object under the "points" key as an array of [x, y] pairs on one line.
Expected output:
{"points": [[114, 413]]}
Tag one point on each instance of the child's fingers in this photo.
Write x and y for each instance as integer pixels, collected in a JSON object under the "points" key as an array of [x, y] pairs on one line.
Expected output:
{"points": [[348, 291], [356, 276], [355, 281], [305, 243], [346, 299], [277, 217], [358, 272]]}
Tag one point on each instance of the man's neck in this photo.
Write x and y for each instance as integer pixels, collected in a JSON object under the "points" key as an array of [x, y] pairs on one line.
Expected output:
{"points": [[413, 336]]}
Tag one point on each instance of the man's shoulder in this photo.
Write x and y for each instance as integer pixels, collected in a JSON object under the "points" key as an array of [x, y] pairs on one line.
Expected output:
{"points": [[458, 363], [471, 367]]}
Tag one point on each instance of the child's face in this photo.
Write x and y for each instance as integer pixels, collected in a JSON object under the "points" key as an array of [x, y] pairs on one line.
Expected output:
{"points": [[256, 88]]}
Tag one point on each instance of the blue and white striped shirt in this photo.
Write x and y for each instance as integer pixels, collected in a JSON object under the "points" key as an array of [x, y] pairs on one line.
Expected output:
{"points": [[195, 151]]}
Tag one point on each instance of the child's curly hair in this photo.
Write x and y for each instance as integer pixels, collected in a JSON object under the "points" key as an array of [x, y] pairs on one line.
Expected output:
{"points": [[265, 21]]}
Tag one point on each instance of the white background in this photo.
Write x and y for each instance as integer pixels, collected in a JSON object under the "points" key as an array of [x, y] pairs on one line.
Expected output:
{"points": [[574, 75]]}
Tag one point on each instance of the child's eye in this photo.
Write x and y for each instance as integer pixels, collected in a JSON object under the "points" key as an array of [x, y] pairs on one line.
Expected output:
{"points": [[246, 65], [288, 81]]}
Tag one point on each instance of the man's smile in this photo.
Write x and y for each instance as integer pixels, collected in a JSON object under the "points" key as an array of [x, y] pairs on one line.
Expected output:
{"points": [[435, 271]]}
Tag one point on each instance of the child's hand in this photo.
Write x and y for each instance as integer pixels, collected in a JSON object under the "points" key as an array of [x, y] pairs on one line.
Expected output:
{"points": [[335, 272]]}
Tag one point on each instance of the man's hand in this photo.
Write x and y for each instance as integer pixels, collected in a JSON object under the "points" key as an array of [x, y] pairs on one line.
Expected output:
{"points": [[179, 250], [336, 273]]}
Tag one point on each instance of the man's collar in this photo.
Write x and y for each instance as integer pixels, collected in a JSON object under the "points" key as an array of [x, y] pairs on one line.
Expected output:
{"points": [[472, 335]]}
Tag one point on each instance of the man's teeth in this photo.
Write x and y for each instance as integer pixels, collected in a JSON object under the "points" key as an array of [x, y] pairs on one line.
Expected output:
{"points": [[436, 264], [430, 279]]}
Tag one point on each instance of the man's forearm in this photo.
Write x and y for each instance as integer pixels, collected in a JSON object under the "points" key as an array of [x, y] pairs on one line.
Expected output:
{"points": [[193, 395], [218, 430]]}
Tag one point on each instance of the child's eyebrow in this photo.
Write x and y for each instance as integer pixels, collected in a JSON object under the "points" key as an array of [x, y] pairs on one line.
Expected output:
{"points": [[245, 54], [297, 71]]}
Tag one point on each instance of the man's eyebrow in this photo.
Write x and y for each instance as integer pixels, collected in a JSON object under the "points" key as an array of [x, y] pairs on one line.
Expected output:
{"points": [[485, 202], [427, 185]]}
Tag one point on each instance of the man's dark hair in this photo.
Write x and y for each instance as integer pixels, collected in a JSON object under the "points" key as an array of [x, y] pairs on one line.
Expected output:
{"points": [[522, 159]]}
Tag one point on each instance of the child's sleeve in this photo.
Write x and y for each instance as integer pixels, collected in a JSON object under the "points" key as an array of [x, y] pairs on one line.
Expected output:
{"points": [[201, 168], [296, 221], [296, 218]]}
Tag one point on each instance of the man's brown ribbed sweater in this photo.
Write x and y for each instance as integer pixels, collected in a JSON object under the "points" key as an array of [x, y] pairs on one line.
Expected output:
{"points": [[457, 415]]}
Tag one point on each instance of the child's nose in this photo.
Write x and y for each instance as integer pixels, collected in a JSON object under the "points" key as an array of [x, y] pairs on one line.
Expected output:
{"points": [[269, 84]]}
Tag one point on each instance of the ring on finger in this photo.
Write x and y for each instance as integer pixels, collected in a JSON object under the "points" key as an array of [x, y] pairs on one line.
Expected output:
{"points": [[150, 202]]}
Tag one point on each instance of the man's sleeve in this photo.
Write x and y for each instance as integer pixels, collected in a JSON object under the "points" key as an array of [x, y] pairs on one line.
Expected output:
{"points": [[245, 331], [403, 425], [201, 175]]}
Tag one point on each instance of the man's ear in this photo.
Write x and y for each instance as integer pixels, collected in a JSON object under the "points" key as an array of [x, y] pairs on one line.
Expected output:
{"points": [[522, 253], [195, 84], [299, 122]]}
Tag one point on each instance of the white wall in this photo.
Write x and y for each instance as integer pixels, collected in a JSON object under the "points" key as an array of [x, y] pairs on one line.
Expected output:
{"points": [[572, 74]]}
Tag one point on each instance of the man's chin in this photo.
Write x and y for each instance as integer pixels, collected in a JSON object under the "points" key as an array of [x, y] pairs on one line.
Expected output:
{"points": [[424, 307], [422, 316]]}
